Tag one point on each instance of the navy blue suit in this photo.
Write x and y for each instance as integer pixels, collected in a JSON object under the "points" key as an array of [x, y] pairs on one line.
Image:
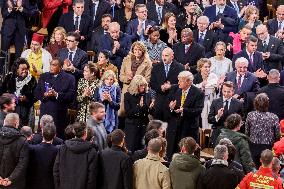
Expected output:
{"points": [[257, 60], [64, 85], [132, 28], [86, 26], [79, 60], [272, 26], [40, 169], [282, 78], [229, 18], [106, 43]]}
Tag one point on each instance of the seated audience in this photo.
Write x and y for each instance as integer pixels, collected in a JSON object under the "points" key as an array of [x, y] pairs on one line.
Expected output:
{"points": [[57, 41], [104, 64]]}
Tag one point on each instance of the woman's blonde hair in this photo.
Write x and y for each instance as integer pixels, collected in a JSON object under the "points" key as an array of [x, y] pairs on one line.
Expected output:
{"points": [[106, 74], [166, 19], [250, 10], [63, 32], [137, 81], [140, 45], [201, 62]]}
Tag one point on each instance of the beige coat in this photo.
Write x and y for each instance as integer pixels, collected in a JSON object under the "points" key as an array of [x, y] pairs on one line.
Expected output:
{"points": [[144, 69], [150, 173]]}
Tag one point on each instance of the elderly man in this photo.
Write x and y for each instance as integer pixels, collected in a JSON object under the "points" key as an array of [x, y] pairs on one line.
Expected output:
{"points": [[187, 51], [56, 91], [138, 27], [186, 104], [14, 154], [271, 48], [117, 43], [275, 25], [149, 172], [163, 76], [203, 36], [275, 93], [219, 175]]}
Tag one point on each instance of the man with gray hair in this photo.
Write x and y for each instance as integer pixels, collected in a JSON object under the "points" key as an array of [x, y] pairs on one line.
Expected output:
{"points": [[44, 121], [186, 104], [203, 36], [275, 94], [13, 154], [150, 172], [219, 175]]}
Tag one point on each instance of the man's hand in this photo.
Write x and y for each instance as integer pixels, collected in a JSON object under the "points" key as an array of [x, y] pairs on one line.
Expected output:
{"points": [[10, 4], [116, 44], [167, 85], [186, 66], [220, 112], [52, 92], [19, 3], [173, 104], [6, 182], [180, 110], [260, 73], [152, 104]]}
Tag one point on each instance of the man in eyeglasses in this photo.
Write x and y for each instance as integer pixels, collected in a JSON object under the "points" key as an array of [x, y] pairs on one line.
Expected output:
{"points": [[73, 57]]}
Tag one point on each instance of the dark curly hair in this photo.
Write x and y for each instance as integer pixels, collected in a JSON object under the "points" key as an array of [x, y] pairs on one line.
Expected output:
{"points": [[17, 63]]}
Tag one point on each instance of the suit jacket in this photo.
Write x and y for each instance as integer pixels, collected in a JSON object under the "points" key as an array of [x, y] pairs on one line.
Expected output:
{"points": [[272, 26], [95, 41], [276, 98], [282, 78], [210, 39], [235, 106], [257, 60], [229, 19], [64, 85], [119, 16], [194, 53], [152, 12], [40, 169], [249, 84], [85, 27], [132, 28], [106, 43], [104, 7], [276, 49], [79, 60]]}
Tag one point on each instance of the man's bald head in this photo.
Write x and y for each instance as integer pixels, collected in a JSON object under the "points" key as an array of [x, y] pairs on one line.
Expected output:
{"points": [[273, 76], [262, 32], [167, 55]]}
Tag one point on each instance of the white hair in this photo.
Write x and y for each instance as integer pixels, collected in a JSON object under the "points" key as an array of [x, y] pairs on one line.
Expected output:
{"points": [[220, 151], [186, 75], [12, 119], [203, 18], [241, 60], [46, 119]]}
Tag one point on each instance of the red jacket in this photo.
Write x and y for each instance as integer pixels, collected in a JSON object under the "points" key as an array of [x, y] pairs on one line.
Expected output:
{"points": [[278, 147], [263, 178]]}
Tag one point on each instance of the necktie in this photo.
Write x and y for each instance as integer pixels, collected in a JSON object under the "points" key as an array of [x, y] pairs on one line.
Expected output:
{"points": [[264, 46], [166, 69], [239, 82], [95, 10], [251, 58], [70, 57], [280, 25], [186, 47], [237, 8], [201, 38], [77, 23], [226, 107], [142, 32], [160, 14], [183, 97]]}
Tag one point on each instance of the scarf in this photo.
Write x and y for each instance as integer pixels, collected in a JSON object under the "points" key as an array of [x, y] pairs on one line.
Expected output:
{"points": [[21, 83], [110, 118], [135, 64], [219, 162]]}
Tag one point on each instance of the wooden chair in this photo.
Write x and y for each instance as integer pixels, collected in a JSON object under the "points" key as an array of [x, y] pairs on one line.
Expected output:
{"points": [[203, 134], [91, 55]]}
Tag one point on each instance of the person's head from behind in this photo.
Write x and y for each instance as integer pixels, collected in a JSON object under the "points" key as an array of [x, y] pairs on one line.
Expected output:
{"points": [[233, 122], [12, 120], [27, 132], [155, 146], [97, 111], [231, 148], [273, 76], [49, 132], [149, 135], [276, 166], [221, 152], [159, 125], [45, 120], [261, 102], [7, 102], [163, 151], [187, 145], [117, 137], [80, 130], [266, 158], [69, 132]]}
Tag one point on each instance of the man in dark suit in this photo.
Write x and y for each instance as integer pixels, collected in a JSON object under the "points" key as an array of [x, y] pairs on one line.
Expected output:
{"points": [[282, 78], [117, 43], [235, 5], [205, 37], [275, 93], [78, 22], [163, 77], [222, 107], [138, 27], [13, 26], [275, 25], [187, 51], [42, 157], [223, 19], [96, 9], [157, 10], [252, 55], [186, 104], [56, 90], [99, 32], [271, 48], [74, 58]]}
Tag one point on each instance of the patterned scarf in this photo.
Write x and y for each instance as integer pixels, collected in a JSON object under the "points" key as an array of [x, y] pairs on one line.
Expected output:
{"points": [[21, 83]]}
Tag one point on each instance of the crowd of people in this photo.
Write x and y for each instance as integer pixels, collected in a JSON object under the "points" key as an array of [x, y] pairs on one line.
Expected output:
{"points": [[131, 115]]}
